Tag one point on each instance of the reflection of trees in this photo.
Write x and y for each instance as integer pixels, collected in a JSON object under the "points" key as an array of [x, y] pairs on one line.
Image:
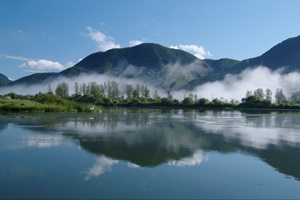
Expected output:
{"points": [[274, 119]]}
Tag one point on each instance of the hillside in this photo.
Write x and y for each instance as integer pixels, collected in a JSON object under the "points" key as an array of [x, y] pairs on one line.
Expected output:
{"points": [[4, 80], [285, 54], [37, 78]]}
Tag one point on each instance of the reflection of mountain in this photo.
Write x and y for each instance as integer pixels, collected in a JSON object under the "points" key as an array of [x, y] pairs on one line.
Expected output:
{"points": [[151, 138]]}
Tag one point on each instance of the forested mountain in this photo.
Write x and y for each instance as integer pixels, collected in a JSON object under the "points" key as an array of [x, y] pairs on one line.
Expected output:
{"points": [[168, 68]]}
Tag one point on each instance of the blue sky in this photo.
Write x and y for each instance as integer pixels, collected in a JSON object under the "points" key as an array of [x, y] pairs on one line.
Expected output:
{"points": [[51, 35]]}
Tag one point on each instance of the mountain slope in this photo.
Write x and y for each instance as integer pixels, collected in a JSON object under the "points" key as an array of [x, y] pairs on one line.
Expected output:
{"points": [[37, 78], [285, 54], [4, 80]]}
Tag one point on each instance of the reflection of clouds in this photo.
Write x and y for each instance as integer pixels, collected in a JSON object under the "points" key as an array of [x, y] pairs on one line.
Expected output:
{"points": [[32, 141], [197, 158], [254, 131], [102, 165], [42, 141], [95, 129], [132, 165]]}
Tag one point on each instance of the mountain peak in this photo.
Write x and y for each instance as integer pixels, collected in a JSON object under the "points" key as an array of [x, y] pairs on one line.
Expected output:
{"points": [[148, 55]]}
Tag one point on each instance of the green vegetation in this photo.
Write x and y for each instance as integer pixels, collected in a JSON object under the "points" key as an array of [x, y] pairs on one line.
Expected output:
{"points": [[43, 103]]}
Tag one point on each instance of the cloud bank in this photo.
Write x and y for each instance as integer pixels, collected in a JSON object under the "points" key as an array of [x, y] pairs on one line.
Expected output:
{"points": [[236, 86]]}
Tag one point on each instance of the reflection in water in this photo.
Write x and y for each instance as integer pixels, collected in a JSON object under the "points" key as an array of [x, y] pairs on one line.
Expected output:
{"points": [[196, 159], [42, 141], [147, 138], [257, 131], [102, 165]]}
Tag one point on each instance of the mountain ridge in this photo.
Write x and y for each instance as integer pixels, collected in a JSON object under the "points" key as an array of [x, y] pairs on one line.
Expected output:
{"points": [[170, 68]]}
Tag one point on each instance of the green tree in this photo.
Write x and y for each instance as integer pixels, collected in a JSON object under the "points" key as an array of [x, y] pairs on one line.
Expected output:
{"points": [[95, 90], [295, 97], [83, 89], [169, 95], [62, 90], [279, 96], [112, 89], [268, 95], [145, 92], [259, 92], [76, 88], [129, 91], [49, 89], [203, 102], [248, 93], [155, 94], [188, 101]]}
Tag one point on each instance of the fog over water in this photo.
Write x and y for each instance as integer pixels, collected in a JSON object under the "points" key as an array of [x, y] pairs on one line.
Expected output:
{"points": [[231, 87]]}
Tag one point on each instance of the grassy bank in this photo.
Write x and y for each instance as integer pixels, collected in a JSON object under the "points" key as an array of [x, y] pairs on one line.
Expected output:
{"points": [[19, 105]]}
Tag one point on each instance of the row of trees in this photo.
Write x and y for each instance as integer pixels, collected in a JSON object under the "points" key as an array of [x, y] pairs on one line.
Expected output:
{"points": [[280, 97], [109, 92], [109, 89]]}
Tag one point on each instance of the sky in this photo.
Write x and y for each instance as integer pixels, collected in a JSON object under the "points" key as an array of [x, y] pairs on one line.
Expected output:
{"points": [[52, 35]]}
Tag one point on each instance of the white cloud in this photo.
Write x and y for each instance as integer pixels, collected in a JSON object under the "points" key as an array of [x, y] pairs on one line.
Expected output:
{"points": [[38, 65], [15, 57], [135, 42], [103, 41], [42, 65], [198, 51]]}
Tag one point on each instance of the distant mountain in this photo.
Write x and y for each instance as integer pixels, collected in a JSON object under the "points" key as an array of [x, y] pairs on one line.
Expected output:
{"points": [[171, 69], [4, 80]]}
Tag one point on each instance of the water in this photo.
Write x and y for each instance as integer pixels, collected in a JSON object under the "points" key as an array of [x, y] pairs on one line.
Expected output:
{"points": [[150, 153]]}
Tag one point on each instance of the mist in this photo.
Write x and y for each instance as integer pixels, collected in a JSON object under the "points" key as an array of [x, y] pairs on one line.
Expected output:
{"points": [[83, 78], [236, 86], [231, 87]]}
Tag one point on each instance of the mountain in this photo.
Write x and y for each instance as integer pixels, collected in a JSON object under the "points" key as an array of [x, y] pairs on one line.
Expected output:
{"points": [[148, 55], [147, 62], [4, 80], [285, 54], [171, 69], [35, 78]]}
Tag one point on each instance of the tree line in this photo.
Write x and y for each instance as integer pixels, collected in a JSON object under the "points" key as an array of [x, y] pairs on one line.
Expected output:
{"points": [[110, 94]]}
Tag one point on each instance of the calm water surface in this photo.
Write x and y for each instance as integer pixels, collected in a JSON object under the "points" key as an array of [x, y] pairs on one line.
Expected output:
{"points": [[150, 153]]}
